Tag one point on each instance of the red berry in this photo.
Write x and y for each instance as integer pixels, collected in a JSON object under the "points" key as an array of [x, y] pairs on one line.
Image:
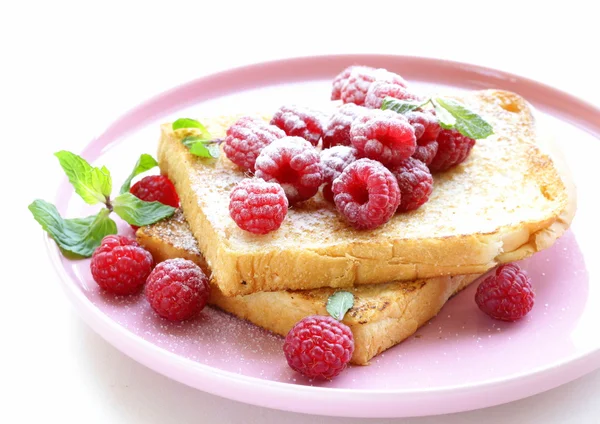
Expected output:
{"points": [[426, 125], [319, 347], [258, 206], [342, 78], [507, 295], [415, 182], [246, 138], [298, 121], [156, 188], [355, 88], [337, 131], [177, 289], [366, 194], [333, 162], [453, 149], [426, 152], [294, 163], [119, 265], [379, 90], [383, 135]]}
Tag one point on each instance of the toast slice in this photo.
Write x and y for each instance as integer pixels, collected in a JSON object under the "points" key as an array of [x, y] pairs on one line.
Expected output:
{"points": [[505, 202], [383, 314]]}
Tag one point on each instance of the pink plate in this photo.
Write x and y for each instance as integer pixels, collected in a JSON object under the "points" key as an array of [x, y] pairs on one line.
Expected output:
{"points": [[461, 360]]}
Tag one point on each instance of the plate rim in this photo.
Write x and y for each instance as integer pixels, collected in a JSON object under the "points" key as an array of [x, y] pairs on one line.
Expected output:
{"points": [[102, 324]]}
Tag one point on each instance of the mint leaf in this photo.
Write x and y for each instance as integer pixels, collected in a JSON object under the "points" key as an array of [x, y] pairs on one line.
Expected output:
{"points": [[401, 106], [80, 236], [202, 147], [445, 118], [144, 163], [192, 123], [339, 303], [467, 122], [137, 212], [92, 184]]}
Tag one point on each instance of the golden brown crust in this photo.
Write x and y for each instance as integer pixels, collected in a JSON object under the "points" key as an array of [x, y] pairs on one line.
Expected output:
{"points": [[504, 203]]}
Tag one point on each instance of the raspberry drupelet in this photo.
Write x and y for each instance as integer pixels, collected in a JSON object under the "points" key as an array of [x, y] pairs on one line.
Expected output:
{"points": [[246, 138], [177, 289], [333, 163], [453, 149], [383, 135], [366, 194], [379, 90], [298, 121], [415, 182], [319, 347], [119, 265], [355, 88], [337, 130], [258, 206], [294, 163], [506, 295]]}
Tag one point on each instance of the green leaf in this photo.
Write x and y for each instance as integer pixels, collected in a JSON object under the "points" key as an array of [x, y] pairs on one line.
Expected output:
{"points": [[80, 236], [138, 212], [339, 303], [92, 184], [199, 146], [144, 163], [467, 122], [445, 118], [191, 123], [401, 106]]}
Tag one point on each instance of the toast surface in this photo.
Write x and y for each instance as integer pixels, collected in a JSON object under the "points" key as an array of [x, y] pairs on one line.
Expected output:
{"points": [[383, 315], [504, 203]]}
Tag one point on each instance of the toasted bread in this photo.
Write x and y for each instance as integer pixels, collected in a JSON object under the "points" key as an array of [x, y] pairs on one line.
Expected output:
{"points": [[505, 202], [383, 314]]}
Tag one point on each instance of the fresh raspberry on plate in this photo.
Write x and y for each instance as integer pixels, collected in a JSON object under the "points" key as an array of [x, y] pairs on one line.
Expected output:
{"points": [[427, 128], [258, 206], [415, 182], [299, 121], [319, 347], [381, 89], [358, 83], [119, 265], [337, 130], [453, 149], [177, 289], [342, 78], [333, 163], [156, 188], [294, 163], [366, 194], [506, 295], [246, 138], [383, 135]]}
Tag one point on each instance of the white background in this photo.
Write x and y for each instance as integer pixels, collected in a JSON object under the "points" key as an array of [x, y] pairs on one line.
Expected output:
{"points": [[67, 69]]}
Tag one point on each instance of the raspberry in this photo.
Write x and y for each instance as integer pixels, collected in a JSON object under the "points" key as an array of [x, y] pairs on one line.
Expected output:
{"points": [[355, 88], [258, 206], [507, 295], [156, 188], [246, 138], [298, 121], [319, 347], [342, 78], [415, 182], [177, 289], [366, 194], [294, 163], [426, 152], [337, 131], [453, 148], [383, 135], [333, 162], [379, 90], [119, 265], [427, 128]]}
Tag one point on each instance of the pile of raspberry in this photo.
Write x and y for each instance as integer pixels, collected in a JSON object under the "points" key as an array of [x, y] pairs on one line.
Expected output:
{"points": [[371, 163]]}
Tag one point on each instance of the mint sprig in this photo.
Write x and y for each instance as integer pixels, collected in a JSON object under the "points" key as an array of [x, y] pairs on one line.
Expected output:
{"points": [[451, 114], [202, 147], [81, 236], [339, 303]]}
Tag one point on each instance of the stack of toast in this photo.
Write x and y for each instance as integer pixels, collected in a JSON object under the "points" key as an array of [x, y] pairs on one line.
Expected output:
{"points": [[511, 198]]}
